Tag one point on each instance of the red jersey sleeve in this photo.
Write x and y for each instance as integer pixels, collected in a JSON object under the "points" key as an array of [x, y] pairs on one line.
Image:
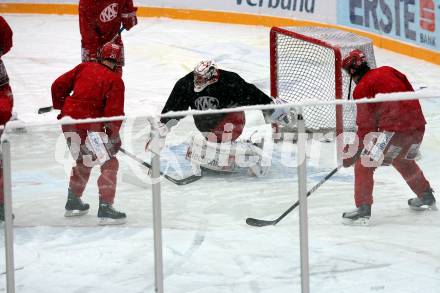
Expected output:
{"points": [[114, 105], [62, 87], [5, 37], [128, 15], [88, 28], [129, 7], [403, 78]]}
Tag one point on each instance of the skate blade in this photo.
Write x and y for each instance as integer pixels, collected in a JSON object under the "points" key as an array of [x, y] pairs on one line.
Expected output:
{"points": [[425, 208], [358, 222], [109, 221], [74, 213]]}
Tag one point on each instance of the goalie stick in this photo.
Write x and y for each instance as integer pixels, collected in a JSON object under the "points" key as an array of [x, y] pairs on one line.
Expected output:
{"points": [[261, 223], [182, 181]]}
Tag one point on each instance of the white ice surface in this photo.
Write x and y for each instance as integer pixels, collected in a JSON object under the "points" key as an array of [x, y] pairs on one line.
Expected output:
{"points": [[207, 245]]}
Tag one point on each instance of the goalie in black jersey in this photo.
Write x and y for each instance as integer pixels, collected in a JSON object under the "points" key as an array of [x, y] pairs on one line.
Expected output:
{"points": [[209, 88]]}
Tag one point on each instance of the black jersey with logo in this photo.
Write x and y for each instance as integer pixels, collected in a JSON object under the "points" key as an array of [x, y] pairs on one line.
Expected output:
{"points": [[228, 92]]}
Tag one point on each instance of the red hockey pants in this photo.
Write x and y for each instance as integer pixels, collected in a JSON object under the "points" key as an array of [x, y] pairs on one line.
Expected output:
{"points": [[81, 173], [408, 168]]}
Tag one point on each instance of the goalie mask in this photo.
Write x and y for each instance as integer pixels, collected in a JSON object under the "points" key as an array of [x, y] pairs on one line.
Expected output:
{"points": [[205, 73]]}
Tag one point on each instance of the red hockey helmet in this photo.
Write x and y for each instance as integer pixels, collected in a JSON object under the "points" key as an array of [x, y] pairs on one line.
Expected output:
{"points": [[354, 61], [111, 51], [205, 73]]}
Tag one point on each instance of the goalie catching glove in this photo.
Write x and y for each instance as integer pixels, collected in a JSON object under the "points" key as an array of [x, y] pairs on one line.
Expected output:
{"points": [[162, 132], [283, 116]]}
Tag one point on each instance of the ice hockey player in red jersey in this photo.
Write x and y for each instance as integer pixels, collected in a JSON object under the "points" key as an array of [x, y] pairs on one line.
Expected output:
{"points": [[6, 99], [209, 88], [399, 125], [92, 90], [99, 23]]}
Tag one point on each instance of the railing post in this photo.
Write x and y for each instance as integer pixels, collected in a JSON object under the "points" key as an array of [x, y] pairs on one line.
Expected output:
{"points": [[302, 194], [157, 215], [9, 236]]}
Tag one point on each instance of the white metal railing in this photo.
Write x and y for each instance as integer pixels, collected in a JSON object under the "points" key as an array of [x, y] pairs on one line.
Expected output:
{"points": [[157, 213], [9, 235], [302, 194], [403, 96]]}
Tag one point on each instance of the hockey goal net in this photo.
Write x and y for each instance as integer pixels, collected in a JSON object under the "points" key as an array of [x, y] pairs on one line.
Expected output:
{"points": [[305, 65]]}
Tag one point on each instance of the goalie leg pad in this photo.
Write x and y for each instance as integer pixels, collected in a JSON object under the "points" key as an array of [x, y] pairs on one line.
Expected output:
{"points": [[227, 157], [212, 156]]}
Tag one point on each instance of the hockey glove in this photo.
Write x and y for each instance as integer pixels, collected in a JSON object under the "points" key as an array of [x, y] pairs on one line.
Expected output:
{"points": [[350, 155], [162, 131], [129, 20], [348, 162], [113, 145], [283, 116], [113, 141]]}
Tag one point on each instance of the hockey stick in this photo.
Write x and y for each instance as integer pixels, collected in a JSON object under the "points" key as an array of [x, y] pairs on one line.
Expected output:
{"points": [[47, 109], [183, 181], [16, 269], [349, 88], [118, 34], [261, 223]]}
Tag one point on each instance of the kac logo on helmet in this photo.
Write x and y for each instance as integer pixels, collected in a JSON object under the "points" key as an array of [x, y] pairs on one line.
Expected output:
{"points": [[412, 21]]}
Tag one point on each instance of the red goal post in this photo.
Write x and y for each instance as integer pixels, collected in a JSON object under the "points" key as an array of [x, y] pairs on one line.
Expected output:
{"points": [[305, 65]]}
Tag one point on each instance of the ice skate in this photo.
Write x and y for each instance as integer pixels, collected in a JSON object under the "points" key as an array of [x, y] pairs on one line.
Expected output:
{"points": [[426, 202], [75, 207], [107, 215], [358, 217]]}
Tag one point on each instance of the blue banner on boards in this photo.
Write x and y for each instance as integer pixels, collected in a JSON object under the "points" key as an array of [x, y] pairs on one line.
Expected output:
{"points": [[412, 21]]}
